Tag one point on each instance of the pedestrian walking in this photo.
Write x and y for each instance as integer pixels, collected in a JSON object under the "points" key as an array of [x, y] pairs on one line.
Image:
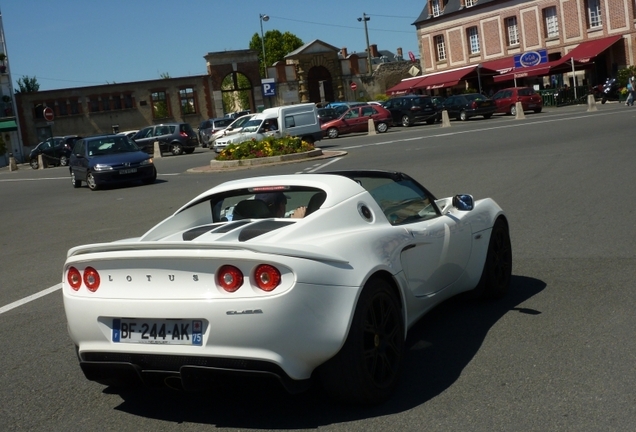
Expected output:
{"points": [[631, 82]]}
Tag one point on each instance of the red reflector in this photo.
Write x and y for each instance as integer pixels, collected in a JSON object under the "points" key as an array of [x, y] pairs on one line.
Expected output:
{"points": [[91, 279], [229, 278], [473, 105], [183, 134], [267, 277], [74, 278]]}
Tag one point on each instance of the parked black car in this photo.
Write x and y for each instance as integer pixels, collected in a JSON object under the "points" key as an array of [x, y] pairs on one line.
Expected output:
{"points": [[465, 106], [55, 151], [176, 138], [411, 109], [109, 159]]}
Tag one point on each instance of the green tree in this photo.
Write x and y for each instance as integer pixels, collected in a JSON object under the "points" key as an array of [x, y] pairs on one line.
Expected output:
{"points": [[277, 46], [164, 75], [28, 85]]}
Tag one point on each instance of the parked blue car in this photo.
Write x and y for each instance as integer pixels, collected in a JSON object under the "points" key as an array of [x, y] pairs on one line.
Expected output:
{"points": [[109, 159]]}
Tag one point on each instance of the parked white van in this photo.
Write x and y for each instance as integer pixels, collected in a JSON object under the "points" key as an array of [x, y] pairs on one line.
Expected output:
{"points": [[293, 120]]}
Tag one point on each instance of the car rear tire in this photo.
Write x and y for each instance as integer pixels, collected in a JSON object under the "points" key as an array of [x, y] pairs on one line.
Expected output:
{"points": [[497, 272], [513, 110], [63, 161], [367, 368], [406, 121], [76, 183], [537, 110], [90, 182], [487, 116], [332, 132], [430, 121], [189, 150], [463, 116], [34, 163], [176, 149], [382, 127]]}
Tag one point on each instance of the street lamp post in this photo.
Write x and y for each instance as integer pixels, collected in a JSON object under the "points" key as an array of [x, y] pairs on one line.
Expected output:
{"points": [[265, 18], [366, 18]]}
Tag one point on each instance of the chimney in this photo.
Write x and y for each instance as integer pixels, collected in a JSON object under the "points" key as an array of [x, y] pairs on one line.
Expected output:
{"points": [[399, 53], [374, 51], [343, 52]]}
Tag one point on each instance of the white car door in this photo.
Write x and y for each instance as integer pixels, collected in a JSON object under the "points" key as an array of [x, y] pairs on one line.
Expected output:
{"points": [[438, 254]]}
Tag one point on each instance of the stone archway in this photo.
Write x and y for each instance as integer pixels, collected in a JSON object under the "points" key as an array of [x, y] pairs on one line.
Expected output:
{"points": [[236, 92], [315, 76]]}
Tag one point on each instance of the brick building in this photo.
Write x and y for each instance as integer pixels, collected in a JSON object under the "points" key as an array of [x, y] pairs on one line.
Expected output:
{"points": [[489, 44]]}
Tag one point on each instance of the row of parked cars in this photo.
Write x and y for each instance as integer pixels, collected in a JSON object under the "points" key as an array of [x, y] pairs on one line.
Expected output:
{"points": [[342, 117], [175, 138]]}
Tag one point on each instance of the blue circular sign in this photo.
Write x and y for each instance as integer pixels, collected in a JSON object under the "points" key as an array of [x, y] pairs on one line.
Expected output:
{"points": [[530, 58]]}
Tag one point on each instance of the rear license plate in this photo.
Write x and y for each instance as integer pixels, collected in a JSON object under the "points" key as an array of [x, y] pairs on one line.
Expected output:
{"points": [[128, 171], [157, 331]]}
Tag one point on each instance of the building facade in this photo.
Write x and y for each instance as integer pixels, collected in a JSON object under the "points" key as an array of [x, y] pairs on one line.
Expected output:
{"points": [[471, 43]]}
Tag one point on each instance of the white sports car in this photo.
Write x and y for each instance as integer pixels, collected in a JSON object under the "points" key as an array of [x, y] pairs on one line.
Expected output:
{"points": [[237, 281]]}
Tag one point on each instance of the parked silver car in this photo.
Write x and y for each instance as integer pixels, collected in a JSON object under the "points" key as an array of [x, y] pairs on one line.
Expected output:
{"points": [[209, 127]]}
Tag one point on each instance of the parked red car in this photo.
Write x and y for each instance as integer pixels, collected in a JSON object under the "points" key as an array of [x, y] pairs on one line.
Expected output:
{"points": [[507, 99], [356, 119]]}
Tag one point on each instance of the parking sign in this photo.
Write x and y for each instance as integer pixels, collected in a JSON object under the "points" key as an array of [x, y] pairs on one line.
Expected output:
{"points": [[269, 87]]}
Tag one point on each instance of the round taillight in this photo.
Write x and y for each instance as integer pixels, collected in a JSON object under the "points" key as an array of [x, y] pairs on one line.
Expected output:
{"points": [[229, 278], [267, 277], [74, 278], [91, 279]]}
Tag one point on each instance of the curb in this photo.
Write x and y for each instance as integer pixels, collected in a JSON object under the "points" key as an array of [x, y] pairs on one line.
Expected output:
{"points": [[220, 166]]}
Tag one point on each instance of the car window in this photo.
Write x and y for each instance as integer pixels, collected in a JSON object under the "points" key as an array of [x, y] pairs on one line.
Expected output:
{"points": [[352, 114], [205, 125], [144, 133], [222, 123], [246, 204], [401, 201], [498, 95], [162, 130], [525, 92], [368, 111], [183, 127], [475, 97]]}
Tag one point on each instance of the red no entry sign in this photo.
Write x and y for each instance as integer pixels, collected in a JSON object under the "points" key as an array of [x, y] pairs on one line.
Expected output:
{"points": [[48, 114], [353, 86]]}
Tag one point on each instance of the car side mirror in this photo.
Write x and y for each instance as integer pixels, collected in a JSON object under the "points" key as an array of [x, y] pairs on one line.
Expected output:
{"points": [[464, 202]]}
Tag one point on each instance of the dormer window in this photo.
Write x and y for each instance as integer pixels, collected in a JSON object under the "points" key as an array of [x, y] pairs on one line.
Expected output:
{"points": [[437, 8]]}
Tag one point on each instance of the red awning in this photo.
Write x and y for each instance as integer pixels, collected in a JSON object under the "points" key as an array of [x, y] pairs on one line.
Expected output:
{"points": [[502, 66], [445, 79], [405, 86], [587, 50], [530, 71]]}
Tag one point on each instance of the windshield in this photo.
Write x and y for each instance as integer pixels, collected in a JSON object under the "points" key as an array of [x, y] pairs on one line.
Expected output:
{"points": [[252, 125], [111, 145]]}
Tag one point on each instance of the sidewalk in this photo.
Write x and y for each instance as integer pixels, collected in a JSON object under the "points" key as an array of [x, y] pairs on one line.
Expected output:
{"points": [[220, 166]]}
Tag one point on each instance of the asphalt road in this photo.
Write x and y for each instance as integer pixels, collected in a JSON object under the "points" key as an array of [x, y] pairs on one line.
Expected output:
{"points": [[557, 354]]}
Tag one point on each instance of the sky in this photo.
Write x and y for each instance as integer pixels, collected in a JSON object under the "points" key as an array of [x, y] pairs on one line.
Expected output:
{"points": [[76, 43]]}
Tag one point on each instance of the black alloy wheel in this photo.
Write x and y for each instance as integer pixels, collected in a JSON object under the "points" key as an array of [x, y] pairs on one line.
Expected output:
{"points": [[367, 368]]}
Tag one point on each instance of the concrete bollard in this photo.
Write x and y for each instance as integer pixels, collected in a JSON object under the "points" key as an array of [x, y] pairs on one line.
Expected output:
{"points": [[371, 127], [591, 103], [520, 114], [445, 119], [157, 151], [13, 166], [41, 162]]}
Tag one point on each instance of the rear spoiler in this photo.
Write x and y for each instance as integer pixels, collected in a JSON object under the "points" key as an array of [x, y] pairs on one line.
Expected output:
{"points": [[300, 251]]}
